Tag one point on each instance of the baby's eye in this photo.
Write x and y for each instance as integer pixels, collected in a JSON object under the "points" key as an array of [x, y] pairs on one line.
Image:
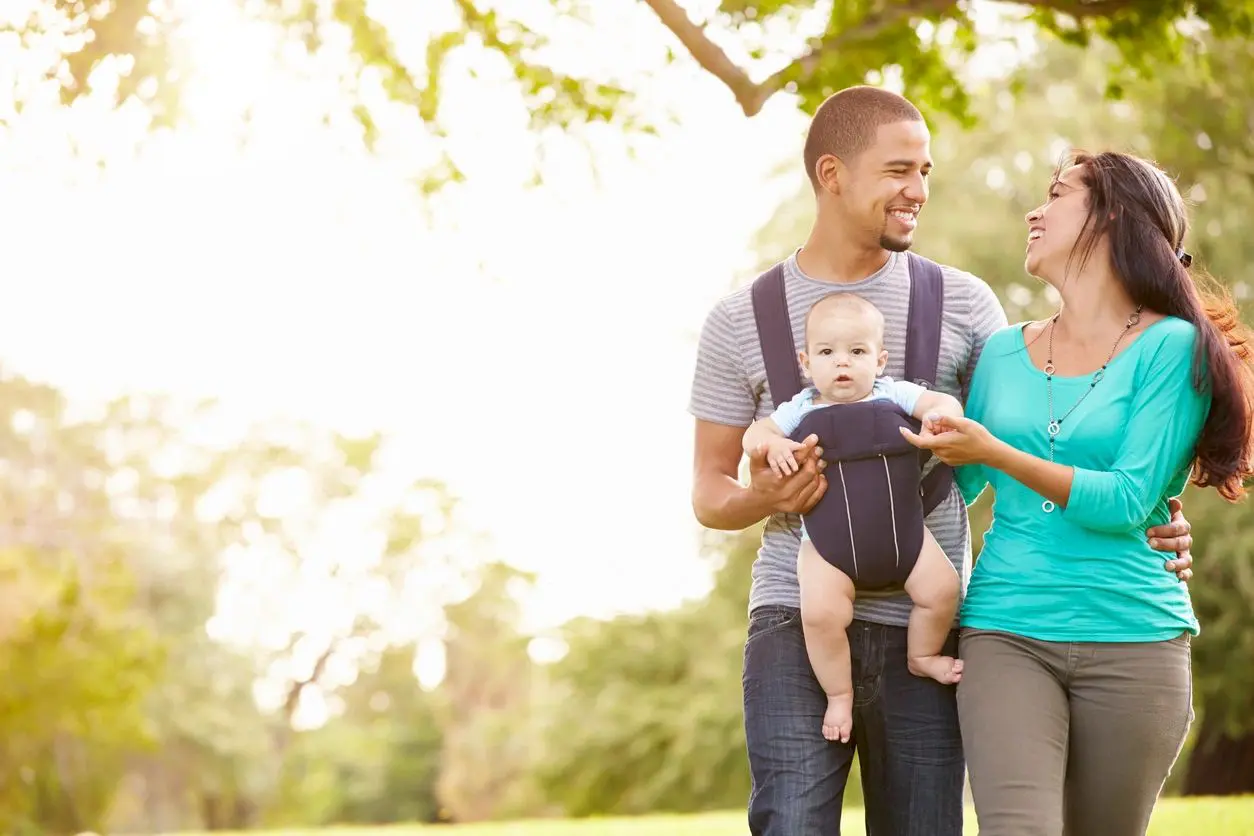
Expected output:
{"points": [[825, 351], [859, 351]]}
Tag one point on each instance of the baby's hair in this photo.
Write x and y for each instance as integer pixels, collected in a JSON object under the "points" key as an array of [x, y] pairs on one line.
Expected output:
{"points": [[838, 300]]}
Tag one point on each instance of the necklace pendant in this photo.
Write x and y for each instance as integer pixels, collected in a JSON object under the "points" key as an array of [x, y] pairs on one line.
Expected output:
{"points": [[1054, 428], [1049, 368], [1048, 507]]}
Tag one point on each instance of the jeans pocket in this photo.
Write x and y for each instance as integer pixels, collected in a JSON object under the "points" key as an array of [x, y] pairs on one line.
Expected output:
{"points": [[766, 620]]}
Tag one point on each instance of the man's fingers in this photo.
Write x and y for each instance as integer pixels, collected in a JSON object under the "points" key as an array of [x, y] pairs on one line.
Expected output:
{"points": [[1172, 544], [808, 450], [1180, 562], [804, 498], [1178, 528], [819, 487]]}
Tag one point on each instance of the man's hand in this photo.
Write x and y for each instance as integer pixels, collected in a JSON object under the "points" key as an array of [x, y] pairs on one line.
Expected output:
{"points": [[1174, 536], [795, 493]]}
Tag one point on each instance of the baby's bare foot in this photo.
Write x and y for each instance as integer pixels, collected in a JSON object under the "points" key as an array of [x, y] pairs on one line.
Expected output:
{"points": [[944, 669], [838, 721]]}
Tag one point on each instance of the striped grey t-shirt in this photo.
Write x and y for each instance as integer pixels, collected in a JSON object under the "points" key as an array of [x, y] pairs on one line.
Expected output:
{"points": [[729, 387]]}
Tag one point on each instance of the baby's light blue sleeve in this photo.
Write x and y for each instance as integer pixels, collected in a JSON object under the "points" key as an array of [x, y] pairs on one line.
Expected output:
{"points": [[905, 394], [788, 415]]}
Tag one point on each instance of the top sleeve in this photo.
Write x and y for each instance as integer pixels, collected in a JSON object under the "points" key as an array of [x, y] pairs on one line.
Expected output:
{"points": [[1158, 442], [788, 416], [905, 394], [720, 391]]}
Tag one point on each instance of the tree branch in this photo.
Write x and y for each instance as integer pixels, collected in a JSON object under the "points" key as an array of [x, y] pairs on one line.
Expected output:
{"points": [[709, 55], [1080, 9], [751, 96], [804, 68], [298, 687]]}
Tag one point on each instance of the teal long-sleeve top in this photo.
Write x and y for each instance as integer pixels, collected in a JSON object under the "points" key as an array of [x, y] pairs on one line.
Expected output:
{"points": [[1086, 572]]}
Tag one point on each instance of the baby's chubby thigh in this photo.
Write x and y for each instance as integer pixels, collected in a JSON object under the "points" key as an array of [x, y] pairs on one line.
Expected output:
{"points": [[933, 583]]}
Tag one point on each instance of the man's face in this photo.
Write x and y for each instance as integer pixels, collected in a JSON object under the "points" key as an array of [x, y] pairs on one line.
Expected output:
{"points": [[883, 189]]}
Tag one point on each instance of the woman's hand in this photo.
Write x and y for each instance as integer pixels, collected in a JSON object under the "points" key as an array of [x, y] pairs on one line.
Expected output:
{"points": [[955, 441]]}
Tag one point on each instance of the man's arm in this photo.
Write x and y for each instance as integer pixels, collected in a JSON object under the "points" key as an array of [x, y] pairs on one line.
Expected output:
{"points": [[724, 403], [721, 502]]}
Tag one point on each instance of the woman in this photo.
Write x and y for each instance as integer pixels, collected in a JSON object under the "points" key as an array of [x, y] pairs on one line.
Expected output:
{"points": [[1077, 692]]}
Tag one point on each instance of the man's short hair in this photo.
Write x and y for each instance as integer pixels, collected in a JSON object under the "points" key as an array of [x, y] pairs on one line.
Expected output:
{"points": [[846, 123]]}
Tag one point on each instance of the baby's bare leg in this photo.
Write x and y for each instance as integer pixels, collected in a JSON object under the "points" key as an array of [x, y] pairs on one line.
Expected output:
{"points": [[933, 587], [827, 596]]}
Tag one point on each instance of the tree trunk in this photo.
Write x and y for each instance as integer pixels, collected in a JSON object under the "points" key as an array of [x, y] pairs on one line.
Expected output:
{"points": [[1220, 764]]}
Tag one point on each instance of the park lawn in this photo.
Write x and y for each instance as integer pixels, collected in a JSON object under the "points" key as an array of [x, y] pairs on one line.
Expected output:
{"points": [[1173, 817]]}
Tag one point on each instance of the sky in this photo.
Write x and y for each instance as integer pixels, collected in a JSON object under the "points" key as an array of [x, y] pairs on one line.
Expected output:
{"points": [[531, 347]]}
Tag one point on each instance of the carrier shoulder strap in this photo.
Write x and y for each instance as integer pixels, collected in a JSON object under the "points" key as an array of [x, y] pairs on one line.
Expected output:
{"points": [[779, 352], [923, 335], [923, 329]]}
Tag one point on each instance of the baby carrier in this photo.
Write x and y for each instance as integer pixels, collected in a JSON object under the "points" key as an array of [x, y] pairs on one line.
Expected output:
{"points": [[869, 522]]}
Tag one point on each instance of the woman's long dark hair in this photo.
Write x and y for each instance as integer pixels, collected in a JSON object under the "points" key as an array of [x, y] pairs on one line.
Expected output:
{"points": [[1140, 210]]}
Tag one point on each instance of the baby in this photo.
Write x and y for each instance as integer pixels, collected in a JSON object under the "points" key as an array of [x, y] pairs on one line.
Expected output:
{"points": [[845, 359]]}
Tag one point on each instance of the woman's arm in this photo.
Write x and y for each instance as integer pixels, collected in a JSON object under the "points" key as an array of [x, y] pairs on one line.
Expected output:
{"points": [[1049, 479], [1151, 450], [1159, 440]]}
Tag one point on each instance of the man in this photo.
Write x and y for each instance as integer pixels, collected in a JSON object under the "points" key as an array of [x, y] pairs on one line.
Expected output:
{"points": [[867, 156]]}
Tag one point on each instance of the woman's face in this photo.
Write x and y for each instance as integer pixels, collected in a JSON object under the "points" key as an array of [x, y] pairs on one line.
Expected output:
{"points": [[1055, 226]]}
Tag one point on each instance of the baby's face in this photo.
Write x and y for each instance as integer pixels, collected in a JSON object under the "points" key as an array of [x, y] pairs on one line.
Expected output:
{"points": [[845, 354]]}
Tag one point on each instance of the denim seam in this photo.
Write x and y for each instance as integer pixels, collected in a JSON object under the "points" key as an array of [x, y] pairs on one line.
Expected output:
{"points": [[774, 625]]}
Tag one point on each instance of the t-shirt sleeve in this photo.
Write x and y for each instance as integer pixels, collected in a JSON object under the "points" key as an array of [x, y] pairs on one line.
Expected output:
{"points": [[1157, 443], [720, 390], [788, 416], [905, 394], [987, 317]]}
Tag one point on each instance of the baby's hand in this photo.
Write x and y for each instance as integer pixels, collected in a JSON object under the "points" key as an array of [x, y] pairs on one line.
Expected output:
{"points": [[779, 456]]}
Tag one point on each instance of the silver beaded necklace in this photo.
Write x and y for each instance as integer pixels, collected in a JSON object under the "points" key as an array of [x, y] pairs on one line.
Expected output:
{"points": [[1055, 424]]}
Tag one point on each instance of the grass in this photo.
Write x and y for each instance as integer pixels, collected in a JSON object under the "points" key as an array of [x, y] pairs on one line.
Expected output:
{"points": [[1172, 817]]}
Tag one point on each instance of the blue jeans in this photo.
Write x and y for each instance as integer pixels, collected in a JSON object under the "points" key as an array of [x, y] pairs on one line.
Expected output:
{"points": [[905, 729]]}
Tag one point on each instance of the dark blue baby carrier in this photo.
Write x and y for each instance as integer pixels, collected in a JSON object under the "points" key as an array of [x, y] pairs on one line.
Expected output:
{"points": [[869, 523]]}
